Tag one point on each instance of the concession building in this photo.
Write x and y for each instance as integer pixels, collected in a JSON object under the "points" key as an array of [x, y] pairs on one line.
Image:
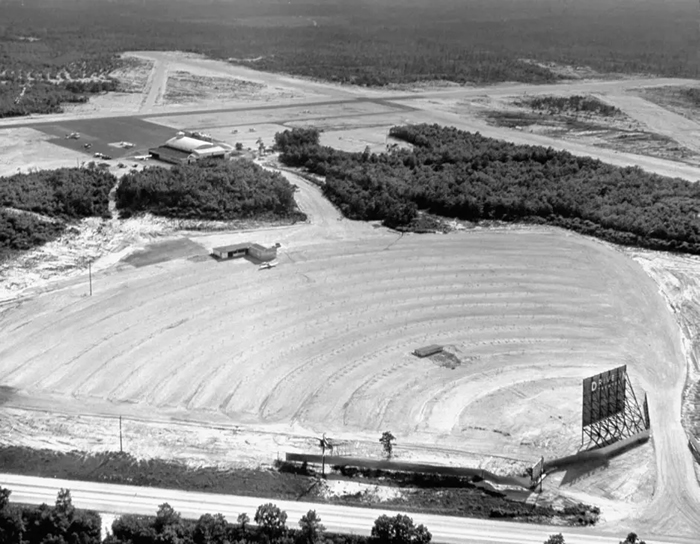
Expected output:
{"points": [[256, 251]]}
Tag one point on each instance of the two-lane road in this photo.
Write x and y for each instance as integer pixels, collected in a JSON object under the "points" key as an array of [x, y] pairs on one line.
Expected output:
{"points": [[117, 499]]}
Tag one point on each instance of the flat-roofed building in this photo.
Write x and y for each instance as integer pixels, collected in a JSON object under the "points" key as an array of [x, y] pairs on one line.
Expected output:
{"points": [[256, 251], [232, 251], [262, 253]]}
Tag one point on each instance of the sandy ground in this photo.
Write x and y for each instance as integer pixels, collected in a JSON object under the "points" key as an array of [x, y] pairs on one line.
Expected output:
{"points": [[25, 149], [102, 243], [658, 120], [189, 73], [640, 128]]}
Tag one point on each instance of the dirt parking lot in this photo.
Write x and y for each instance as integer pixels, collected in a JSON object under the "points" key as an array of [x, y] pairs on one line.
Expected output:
{"points": [[323, 342]]}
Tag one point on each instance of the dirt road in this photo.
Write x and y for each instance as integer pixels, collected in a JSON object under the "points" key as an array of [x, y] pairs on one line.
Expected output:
{"points": [[155, 85]]}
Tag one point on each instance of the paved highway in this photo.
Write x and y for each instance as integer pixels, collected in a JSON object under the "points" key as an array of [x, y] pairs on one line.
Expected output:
{"points": [[117, 499]]}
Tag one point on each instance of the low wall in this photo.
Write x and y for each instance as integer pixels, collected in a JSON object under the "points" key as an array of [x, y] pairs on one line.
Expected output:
{"points": [[399, 466], [600, 454]]}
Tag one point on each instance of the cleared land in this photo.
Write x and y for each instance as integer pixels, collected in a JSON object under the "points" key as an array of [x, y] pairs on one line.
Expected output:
{"points": [[26, 148], [677, 99], [632, 130], [341, 353], [322, 343]]}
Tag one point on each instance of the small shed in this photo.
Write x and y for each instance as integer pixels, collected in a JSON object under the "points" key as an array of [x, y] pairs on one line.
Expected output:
{"points": [[232, 251], [427, 351]]}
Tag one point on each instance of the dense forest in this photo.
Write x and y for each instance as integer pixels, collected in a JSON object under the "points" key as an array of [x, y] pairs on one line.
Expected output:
{"points": [[36, 207], [459, 174], [214, 190], [353, 41], [58, 524]]}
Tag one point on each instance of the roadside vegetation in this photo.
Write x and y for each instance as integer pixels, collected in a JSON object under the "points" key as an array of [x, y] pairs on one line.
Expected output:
{"points": [[37, 207], [212, 190], [58, 524], [376, 43], [271, 527], [64, 524], [440, 495], [691, 95], [457, 174]]}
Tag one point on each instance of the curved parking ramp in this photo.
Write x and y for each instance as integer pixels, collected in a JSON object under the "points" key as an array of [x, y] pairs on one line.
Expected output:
{"points": [[399, 466], [600, 454]]}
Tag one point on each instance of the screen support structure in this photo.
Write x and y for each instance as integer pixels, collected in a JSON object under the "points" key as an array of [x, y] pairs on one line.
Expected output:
{"points": [[631, 420]]}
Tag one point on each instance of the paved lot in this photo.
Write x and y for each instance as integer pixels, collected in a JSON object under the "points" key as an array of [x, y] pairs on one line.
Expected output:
{"points": [[102, 133]]}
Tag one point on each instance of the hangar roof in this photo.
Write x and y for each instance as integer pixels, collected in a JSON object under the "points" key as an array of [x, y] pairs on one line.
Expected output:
{"points": [[212, 150], [187, 143]]}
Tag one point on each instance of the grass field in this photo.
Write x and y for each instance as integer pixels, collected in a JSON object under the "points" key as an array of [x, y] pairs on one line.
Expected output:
{"points": [[323, 341]]}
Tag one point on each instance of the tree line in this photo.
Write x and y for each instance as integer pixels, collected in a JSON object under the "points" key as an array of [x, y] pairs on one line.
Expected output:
{"points": [[575, 103], [465, 175], [17, 99], [211, 190], [36, 207], [65, 524]]}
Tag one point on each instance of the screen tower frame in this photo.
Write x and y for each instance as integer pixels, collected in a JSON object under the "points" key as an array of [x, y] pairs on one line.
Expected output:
{"points": [[610, 410]]}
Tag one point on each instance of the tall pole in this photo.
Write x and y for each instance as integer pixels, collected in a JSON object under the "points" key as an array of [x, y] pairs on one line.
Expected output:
{"points": [[90, 276], [121, 450]]}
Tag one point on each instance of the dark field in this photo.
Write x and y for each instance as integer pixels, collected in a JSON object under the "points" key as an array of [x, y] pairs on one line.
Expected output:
{"points": [[165, 251], [103, 132]]}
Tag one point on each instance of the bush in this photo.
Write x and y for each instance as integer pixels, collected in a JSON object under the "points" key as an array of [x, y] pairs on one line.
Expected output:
{"points": [[35, 207], [458, 174], [399, 529], [219, 190], [59, 524]]}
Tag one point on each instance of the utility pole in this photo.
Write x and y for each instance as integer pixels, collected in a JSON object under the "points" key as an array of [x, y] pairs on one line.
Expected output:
{"points": [[121, 450]]}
